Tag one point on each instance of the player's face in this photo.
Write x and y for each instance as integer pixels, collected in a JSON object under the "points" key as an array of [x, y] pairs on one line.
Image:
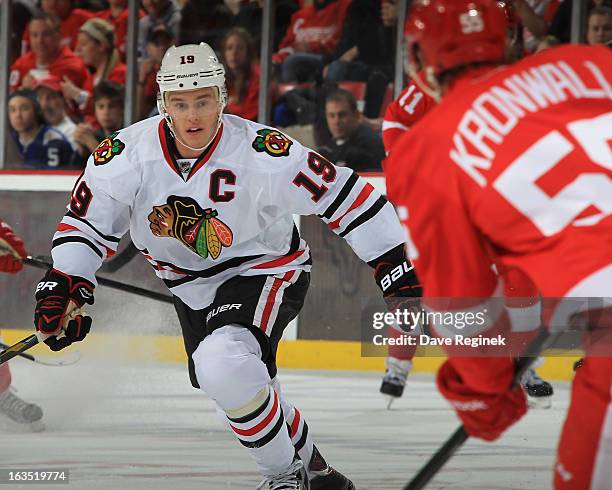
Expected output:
{"points": [[235, 52], [341, 120], [194, 114], [45, 40], [52, 104], [21, 114], [599, 29], [89, 50], [109, 114]]}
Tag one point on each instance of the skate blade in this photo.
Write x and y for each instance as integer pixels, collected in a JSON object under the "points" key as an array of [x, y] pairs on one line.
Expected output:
{"points": [[390, 400], [540, 403]]}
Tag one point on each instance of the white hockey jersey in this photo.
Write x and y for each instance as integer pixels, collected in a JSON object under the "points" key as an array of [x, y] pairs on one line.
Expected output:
{"points": [[230, 213]]}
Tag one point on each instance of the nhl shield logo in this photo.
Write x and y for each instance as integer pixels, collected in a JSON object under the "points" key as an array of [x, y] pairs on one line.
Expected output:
{"points": [[198, 229], [273, 142], [107, 149]]}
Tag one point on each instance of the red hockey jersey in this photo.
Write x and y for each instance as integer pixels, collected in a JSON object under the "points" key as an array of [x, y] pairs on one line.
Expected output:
{"points": [[514, 166], [404, 112]]}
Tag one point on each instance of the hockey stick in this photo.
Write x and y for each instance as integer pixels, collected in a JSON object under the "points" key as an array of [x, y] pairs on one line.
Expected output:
{"points": [[121, 286], [455, 441], [72, 311], [20, 347], [67, 360]]}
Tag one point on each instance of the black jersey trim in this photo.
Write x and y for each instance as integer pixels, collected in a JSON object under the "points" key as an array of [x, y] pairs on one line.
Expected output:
{"points": [[365, 216], [206, 273], [108, 238], [341, 197], [77, 239]]}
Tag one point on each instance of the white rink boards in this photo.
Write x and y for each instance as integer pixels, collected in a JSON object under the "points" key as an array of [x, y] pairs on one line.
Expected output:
{"points": [[143, 427]]}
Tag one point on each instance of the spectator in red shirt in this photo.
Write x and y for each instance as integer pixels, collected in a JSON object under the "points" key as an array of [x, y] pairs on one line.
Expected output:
{"points": [[241, 73], [310, 41], [47, 57], [71, 20], [96, 47], [117, 15]]}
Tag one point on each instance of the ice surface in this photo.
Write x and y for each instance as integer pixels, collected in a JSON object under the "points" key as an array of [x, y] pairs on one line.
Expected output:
{"points": [[121, 426]]}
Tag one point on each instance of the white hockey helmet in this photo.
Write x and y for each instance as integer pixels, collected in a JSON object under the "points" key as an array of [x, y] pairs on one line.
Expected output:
{"points": [[189, 67]]}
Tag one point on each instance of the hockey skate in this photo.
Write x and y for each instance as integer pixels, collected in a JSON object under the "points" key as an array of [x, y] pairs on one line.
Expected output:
{"points": [[294, 478], [539, 392], [324, 477], [394, 379], [27, 415]]}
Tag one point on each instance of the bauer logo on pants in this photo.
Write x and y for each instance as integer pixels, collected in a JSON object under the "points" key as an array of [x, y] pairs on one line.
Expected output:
{"points": [[198, 229], [273, 142], [220, 309]]}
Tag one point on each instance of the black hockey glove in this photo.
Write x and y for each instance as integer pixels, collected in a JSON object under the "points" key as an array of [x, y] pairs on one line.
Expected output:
{"points": [[58, 300], [395, 275]]}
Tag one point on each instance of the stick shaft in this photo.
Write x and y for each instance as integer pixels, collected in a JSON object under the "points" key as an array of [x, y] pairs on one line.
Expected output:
{"points": [[128, 288], [20, 347], [455, 441], [29, 357]]}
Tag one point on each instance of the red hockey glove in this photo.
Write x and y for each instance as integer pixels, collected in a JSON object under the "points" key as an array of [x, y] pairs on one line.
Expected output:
{"points": [[484, 415], [12, 251], [58, 299]]}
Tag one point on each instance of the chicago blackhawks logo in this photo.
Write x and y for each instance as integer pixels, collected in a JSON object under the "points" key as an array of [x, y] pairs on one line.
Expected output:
{"points": [[107, 149], [273, 142], [198, 229]]}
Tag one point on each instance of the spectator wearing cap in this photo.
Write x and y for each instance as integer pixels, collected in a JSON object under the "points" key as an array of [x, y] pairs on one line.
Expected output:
{"points": [[96, 47], [160, 39], [158, 12], [108, 109], [47, 57], [353, 144], [53, 105], [117, 14], [39, 145], [599, 25], [71, 19], [241, 73]]}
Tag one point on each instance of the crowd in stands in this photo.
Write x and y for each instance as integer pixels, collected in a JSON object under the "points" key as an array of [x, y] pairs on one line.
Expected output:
{"points": [[333, 65]]}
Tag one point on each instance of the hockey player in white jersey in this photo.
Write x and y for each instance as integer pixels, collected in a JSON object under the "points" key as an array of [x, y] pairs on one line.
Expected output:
{"points": [[208, 199]]}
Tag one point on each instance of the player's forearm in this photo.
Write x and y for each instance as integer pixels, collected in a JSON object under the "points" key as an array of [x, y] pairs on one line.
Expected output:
{"points": [[76, 259], [377, 234]]}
